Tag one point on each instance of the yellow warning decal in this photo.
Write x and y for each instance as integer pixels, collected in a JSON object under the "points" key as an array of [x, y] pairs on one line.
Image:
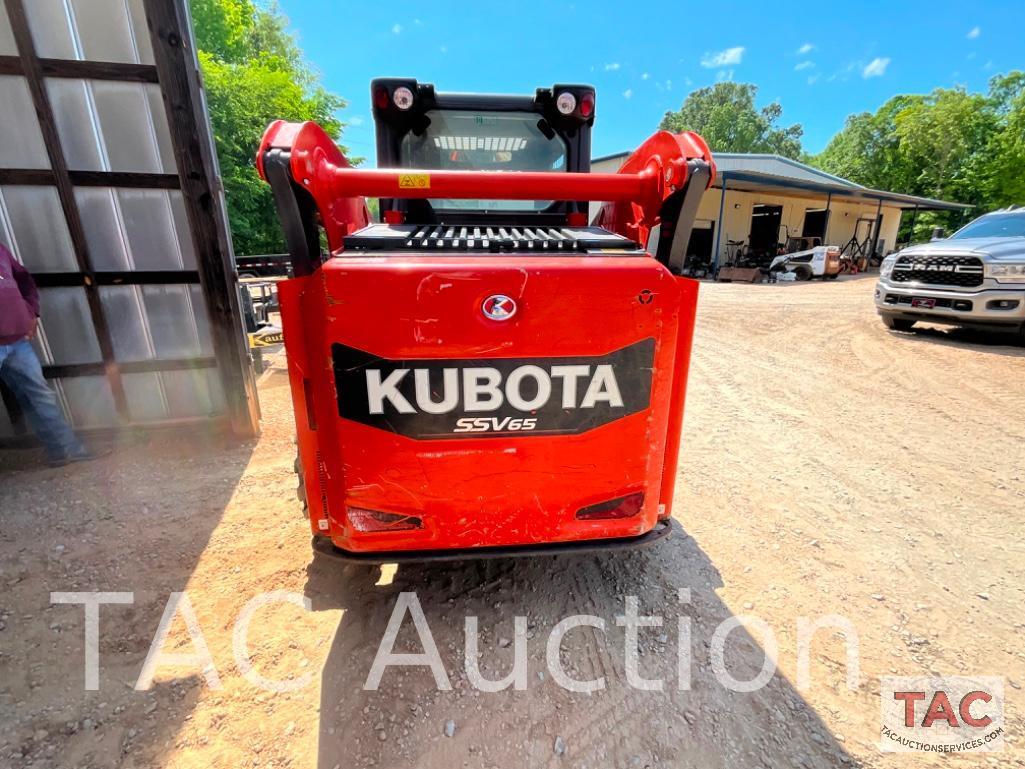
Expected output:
{"points": [[414, 181]]}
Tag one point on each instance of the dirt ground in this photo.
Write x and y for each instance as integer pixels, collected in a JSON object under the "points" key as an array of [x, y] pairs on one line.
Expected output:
{"points": [[829, 466]]}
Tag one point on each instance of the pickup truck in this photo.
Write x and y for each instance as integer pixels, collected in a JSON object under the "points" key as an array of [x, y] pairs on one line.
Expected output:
{"points": [[974, 278]]}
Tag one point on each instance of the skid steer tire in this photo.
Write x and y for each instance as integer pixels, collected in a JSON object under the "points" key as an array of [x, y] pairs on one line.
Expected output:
{"points": [[300, 489]]}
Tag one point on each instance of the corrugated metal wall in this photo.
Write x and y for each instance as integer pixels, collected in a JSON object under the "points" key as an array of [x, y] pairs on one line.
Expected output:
{"points": [[125, 329]]}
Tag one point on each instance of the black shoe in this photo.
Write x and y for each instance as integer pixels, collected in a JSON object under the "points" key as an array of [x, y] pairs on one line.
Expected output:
{"points": [[86, 455]]}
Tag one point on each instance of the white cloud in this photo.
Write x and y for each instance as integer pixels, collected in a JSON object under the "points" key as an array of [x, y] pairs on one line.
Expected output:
{"points": [[612, 66], [876, 67], [806, 48], [645, 76], [396, 29], [844, 74], [417, 22], [628, 93], [355, 120], [724, 74], [443, 48], [803, 65], [813, 79], [974, 32], [723, 58]]}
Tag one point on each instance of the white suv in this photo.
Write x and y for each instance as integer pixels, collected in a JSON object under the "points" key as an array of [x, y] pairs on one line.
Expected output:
{"points": [[976, 277]]}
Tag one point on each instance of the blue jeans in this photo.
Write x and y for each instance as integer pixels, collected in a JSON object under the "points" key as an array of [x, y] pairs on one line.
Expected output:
{"points": [[20, 370]]}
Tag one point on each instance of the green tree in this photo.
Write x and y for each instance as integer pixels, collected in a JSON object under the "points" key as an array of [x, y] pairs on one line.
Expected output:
{"points": [[949, 144], [867, 149], [254, 72], [726, 117], [942, 141], [1007, 149]]}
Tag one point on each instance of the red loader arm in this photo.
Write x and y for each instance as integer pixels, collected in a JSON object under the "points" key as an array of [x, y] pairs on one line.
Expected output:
{"points": [[660, 185]]}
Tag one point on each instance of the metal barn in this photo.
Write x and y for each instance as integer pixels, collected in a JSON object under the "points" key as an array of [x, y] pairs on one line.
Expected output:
{"points": [[109, 194]]}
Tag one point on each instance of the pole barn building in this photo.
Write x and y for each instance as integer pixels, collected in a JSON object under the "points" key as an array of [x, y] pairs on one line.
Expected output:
{"points": [[759, 200], [110, 195]]}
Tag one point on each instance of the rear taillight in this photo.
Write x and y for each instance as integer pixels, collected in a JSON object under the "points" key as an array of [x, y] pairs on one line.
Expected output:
{"points": [[587, 104], [620, 507], [381, 98], [374, 520]]}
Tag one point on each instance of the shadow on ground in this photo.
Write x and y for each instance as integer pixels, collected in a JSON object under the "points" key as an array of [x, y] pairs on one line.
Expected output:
{"points": [[403, 723], [136, 521], [994, 342]]}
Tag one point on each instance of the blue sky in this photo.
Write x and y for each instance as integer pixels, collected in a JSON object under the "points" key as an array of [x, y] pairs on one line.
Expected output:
{"points": [[821, 61]]}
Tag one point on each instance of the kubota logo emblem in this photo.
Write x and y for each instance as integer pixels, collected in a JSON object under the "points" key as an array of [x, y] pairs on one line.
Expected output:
{"points": [[499, 307], [434, 398]]}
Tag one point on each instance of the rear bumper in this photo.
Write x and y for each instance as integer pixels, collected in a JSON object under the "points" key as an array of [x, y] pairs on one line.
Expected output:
{"points": [[981, 308], [323, 546]]}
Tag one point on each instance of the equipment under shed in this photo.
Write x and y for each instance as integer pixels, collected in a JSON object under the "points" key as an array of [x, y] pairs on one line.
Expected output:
{"points": [[762, 200]]}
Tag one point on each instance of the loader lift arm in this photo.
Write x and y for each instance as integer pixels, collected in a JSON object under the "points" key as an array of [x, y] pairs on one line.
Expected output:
{"points": [[659, 187]]}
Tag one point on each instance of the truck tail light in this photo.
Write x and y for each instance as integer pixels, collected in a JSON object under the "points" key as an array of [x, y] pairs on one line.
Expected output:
{"points": [[381, 98], [620, 507], [374, 520]]}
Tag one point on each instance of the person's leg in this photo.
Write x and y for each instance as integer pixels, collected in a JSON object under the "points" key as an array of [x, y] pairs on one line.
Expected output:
{"points": [[22, 372]]}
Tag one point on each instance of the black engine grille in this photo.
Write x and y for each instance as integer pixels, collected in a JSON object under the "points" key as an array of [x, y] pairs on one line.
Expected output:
{"points": [[456, 238], [962, 271]]}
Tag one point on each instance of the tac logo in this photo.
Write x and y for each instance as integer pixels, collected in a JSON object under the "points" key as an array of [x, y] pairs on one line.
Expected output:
{"points": [[946, 714]]}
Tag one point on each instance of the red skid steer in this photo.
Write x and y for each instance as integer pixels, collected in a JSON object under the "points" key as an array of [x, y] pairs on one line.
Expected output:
{"points": [[482, 372]]}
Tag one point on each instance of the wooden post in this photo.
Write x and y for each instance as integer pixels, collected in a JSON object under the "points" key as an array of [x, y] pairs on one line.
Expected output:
{"points": [[178, 73]]}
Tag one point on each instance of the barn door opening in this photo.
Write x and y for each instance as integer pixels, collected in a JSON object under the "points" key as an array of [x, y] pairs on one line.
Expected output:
{"points": [[815, 223], [701, 237], [765, 222]]}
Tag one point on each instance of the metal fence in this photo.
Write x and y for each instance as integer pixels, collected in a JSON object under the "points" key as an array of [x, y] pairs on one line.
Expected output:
{"points": [[109, 194]]}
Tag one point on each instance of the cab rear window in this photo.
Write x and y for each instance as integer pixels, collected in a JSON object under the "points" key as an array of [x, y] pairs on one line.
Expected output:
{"points": [[458, 140]]}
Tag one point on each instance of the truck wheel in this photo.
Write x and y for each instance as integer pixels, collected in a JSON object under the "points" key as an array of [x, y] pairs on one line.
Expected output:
{"points": [[898, 324], [300, 490]]}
